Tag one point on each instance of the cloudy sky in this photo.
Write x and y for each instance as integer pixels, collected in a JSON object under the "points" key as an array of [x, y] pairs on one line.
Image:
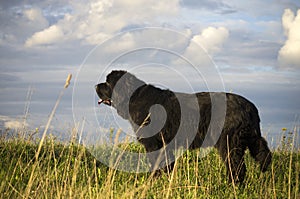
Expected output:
{"points": [[247, 47]]}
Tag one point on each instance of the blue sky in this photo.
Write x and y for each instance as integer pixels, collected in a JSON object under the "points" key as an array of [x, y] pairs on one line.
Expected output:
{"points": [[254, 46]]}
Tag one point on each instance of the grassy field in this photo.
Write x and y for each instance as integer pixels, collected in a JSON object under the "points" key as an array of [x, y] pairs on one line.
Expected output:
{"points": [[70, 171]]}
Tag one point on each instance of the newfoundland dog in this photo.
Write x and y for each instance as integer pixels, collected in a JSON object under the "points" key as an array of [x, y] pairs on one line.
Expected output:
{"points": [[164, 121]]}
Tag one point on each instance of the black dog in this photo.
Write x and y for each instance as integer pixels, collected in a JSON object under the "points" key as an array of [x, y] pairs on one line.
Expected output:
{"points": [[180, 113]]}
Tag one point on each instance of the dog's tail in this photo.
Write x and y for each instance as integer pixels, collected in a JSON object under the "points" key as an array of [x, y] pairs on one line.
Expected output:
{"points": [[259, 150]]}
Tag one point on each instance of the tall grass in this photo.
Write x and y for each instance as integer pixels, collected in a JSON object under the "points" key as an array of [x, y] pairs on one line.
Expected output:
{"points": [[70, 171]]}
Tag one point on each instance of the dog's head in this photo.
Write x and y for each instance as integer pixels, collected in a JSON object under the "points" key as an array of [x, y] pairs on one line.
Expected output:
{"points": [[117, 91], [105, 90]]}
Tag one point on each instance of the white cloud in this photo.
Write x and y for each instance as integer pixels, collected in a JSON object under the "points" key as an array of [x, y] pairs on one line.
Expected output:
{"points": [[95, 21], [12, 123], [96, 38], [125, 42], [210, 41], [18, 23], [35, 15], [289, 54], [47, 36]]}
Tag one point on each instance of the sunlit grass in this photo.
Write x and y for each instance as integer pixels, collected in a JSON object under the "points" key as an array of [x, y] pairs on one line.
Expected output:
{"points": [[70, 171]]}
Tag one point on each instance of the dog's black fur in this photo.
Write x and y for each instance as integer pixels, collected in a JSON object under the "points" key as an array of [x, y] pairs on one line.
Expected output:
{"points": [[240, 131]]}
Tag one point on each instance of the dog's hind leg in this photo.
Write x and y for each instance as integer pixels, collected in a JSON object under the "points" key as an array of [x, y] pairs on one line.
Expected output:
{"points": [[260, 151]]}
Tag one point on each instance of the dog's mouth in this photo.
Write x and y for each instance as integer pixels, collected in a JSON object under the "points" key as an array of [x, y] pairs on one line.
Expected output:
{"points": [[104, 101], [103, 91]]}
